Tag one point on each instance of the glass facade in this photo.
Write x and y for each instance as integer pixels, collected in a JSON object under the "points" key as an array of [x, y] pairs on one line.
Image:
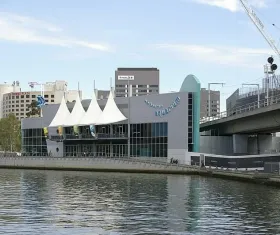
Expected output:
{"points": [[190, 122], [34, 142], [146, 140], [149, 139]]}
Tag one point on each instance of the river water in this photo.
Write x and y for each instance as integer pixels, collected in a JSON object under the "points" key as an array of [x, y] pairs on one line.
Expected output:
{"points": [[76, 203]]}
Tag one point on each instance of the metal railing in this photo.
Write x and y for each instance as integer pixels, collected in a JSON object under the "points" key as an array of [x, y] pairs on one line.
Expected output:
{"points": [[243, 109], [88, 136], [114, 157]]}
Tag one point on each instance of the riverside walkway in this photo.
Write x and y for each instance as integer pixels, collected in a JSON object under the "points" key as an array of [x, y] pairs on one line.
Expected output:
{"points": [[133, 165]]}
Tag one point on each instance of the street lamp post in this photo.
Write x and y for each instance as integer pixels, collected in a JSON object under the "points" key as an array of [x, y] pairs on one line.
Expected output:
{"points": [[254, 84], [209, 95], [128, 121]]}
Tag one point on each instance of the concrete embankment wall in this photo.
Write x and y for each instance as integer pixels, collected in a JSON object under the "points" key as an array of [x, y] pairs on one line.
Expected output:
{"points": [[122, 165], [93, 164]]}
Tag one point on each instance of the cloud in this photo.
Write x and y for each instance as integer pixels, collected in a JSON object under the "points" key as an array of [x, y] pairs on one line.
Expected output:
{"points": [[23, 29], [232, 56], [232, 5]]}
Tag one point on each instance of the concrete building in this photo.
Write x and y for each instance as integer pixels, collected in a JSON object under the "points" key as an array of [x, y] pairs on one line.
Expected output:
{"points": [[144, 81], [158, 125], [7, 88], [102, 94], [17, 101], [214, 106]]}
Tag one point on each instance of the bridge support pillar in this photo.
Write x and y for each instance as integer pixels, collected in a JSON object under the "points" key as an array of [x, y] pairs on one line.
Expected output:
{"points": [[240, 143]]}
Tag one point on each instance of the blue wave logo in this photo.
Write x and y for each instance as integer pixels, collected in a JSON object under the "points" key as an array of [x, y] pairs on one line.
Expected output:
{"points": [[40, 101]]}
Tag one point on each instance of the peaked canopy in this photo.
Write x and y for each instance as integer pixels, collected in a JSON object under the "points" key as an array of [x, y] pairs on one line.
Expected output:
{"points": [[77, 113], [61, 115], [92, 114], [111, 112]]}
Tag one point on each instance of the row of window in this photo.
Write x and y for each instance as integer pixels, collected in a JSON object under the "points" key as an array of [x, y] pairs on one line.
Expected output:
{"points": [[9, 97], [136, 91], [26, 102], [140, 86], [190, 122], [136, 150], [214, 110], [214, 101]]}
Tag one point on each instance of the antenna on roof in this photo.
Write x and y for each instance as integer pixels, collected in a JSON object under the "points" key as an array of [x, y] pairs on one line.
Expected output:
{"points": [[111, 83], [79, 89]]}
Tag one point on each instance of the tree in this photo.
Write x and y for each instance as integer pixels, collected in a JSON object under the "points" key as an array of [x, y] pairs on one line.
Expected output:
{"points": [[10, 134], [34, 109]]}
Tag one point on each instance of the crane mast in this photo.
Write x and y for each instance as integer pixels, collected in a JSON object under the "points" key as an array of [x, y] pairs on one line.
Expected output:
{"points": [[260, 26]]}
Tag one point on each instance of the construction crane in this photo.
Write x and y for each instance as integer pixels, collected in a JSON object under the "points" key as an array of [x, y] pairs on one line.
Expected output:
{"points": [[260, 26]]}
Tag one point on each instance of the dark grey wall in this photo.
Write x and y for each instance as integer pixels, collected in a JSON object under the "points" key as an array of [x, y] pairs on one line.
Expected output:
{"points": [[140, 112]]}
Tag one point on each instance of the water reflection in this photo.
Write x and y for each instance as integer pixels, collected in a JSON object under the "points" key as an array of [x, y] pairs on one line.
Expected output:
{"points": [[51, 202]]}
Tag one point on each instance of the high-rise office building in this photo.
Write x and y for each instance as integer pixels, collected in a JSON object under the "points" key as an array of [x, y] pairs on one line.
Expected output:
{"points": [[17, 101], [143, 81], [214, 103], [7, 88]]}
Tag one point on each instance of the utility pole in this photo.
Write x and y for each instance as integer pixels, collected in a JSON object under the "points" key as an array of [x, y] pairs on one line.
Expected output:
{"points": [[209, 95], [254, 84]]}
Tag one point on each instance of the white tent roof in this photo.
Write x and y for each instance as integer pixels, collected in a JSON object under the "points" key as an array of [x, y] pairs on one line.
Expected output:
{"points": [[111, 113], [77, 113], [61, 115], [92, 114]]}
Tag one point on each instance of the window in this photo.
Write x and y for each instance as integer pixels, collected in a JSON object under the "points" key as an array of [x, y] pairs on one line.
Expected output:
{"points": [[149, 139], [52, 96], [33, 142], [33, 96], [52, 100], [27, 96]]}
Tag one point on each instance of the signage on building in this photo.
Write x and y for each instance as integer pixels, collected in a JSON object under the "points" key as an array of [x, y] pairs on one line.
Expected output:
{"points": [[125, 77], [156, 106], [164, 111]]}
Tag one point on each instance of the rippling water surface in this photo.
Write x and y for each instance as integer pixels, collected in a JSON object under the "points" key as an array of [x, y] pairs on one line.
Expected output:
{"points": [[51, 202]]}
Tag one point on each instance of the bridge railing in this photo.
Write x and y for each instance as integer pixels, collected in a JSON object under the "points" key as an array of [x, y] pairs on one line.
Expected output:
{"points": [[243, 109]]}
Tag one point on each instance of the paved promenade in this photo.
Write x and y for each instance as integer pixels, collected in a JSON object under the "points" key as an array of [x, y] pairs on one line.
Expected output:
{"points": [[134, 165]]}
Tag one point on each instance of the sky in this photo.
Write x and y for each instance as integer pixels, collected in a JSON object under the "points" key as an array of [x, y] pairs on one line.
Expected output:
{"points": [[86, 40]]}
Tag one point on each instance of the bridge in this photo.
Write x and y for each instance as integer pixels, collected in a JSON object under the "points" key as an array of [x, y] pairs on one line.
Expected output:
{"points": [[253, 118]]}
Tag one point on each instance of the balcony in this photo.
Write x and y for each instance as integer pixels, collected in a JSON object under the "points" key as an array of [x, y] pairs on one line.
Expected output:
{"points": [[101, 136], [112, 136], [57, 138]]}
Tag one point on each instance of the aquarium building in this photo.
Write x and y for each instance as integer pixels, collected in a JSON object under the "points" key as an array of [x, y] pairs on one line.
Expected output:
{"points": [[155, 125]]}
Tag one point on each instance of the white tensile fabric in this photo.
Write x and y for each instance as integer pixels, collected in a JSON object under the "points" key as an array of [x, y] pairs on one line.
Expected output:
{"points": [[61, 115], [77, 113], [111, 113], [92, 114]]}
